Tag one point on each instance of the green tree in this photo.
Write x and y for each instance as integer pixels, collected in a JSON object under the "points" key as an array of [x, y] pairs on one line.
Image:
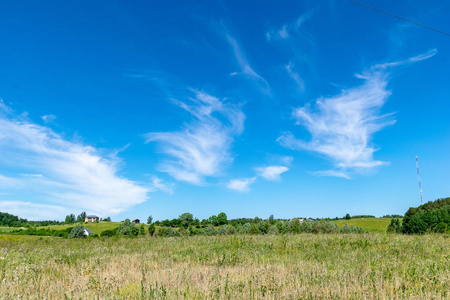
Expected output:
{"points": [[77, 232], [70, 219], [271, 219], [222, 219], [348, 217], [151, 229], [108, 219], [149, 220], [186, 219], [81, 217]]}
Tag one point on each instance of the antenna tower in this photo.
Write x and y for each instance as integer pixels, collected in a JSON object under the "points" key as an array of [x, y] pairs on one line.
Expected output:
{"points": [[418, 176]]}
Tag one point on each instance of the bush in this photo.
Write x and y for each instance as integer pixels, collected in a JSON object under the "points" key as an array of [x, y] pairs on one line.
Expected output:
{"points": [[209, 230], [345, 229], [222, 230], [128, 228], [245, 229], [394, 227], [109, 232], [441, 228], [77, 232], [231, 230], [273, 230], [151, 229]]}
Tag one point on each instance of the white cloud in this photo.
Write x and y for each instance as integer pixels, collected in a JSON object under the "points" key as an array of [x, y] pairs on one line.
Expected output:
{"points": [[33, 211], [342, 126], [246, 69], [295, 76], [158, 185], [241, 185], [37, 163], [48, 118], [271, 172], [202, 147], [332, 173], [288, 30]]}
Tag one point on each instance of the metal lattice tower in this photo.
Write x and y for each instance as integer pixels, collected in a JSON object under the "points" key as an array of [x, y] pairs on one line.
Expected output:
{"points": [[418, 176]]}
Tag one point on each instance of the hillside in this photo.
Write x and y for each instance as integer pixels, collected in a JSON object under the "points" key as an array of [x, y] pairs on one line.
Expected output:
{"points": [[376, 225]]}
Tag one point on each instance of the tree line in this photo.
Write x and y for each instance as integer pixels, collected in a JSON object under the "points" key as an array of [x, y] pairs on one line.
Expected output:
{"points": [[433, 216]]}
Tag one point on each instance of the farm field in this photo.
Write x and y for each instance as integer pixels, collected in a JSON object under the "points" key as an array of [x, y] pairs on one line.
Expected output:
{"points": [[304, 266], [376, 225]]}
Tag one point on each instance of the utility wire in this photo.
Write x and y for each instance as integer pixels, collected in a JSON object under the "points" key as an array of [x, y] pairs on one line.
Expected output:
{"points": [[387, 13]]}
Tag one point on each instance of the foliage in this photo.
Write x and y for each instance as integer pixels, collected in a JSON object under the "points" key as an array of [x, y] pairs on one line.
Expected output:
{"points": [[11, 220], [186, 219], [109, 232], [221, 219], [128, 228], [347, 217], [77, 232], [70, 219], [426, 217], [393, 216], [107, 219], [149, 220], [395, 226], [151, 229], [33, 230], [362, 216], [81, 217]]}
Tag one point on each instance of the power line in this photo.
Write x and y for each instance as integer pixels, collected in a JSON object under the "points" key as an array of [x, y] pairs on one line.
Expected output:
{"points": [[401, 18]]}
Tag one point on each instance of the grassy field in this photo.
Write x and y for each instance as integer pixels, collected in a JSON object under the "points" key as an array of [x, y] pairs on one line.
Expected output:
{"points": [[5, 229], [376, 225], [93, 227], [305, 266]]}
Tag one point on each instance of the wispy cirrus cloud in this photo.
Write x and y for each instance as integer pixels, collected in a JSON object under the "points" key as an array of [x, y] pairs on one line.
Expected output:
{"points": [[202, 147], [243, 63], [290, 29], [157, 184], [38, 163], [342, 126], [48, 118], [271, 173], [241, 185]]}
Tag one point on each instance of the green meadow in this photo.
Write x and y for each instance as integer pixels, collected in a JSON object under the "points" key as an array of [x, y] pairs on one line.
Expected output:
{"points": [[302, 266], [376, 225]]}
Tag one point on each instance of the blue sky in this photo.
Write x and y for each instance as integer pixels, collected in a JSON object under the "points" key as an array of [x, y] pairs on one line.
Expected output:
{"points": [[294, 108]]}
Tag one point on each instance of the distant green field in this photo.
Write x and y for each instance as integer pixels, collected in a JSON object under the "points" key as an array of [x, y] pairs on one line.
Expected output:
{"points": [[5, 229], [93, 227], [24, 238], [378, 225]]}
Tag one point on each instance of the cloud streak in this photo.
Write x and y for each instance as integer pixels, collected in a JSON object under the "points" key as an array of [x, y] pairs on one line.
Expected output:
{"points": [[271, 173], [38, 163], [241, 185], [243, 63], [202, 147], [342, 126]]}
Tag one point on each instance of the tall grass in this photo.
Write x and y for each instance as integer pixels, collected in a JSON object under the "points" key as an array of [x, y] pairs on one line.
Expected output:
{"points": [[304, 266]]}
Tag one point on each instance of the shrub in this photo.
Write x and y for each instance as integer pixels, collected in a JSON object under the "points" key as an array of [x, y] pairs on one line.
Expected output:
{"points": [[151, 229], [109, 232], [441, 227], [77, 232], [222, 230], [246, 228], [209, 230], [231, 230], [345, 229], [273, 230], [128, 228]]}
